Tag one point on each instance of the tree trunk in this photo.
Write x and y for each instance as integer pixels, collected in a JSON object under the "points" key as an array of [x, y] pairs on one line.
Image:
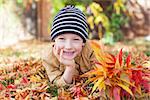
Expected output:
{"points": [[43, 13]]}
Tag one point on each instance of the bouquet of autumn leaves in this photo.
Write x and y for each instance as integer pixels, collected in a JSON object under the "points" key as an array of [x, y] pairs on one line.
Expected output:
{"points": [[113, 77]]}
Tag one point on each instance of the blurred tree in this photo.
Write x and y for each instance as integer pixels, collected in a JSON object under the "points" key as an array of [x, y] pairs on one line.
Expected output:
{"points": [[36, 14], [106, 18], [139, 13], [44, 15]]}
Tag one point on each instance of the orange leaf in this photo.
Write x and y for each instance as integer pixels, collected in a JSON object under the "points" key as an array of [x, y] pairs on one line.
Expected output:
{"points": [[95, 43], [107, 82], [117, 64], [92, 80], [91, 73]]}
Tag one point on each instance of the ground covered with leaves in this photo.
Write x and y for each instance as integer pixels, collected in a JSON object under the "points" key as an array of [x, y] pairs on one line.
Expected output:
{"points": [[22, 75]]}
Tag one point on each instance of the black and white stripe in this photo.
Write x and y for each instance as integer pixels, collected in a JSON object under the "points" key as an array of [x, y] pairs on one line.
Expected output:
{"points": [[70, 19]]}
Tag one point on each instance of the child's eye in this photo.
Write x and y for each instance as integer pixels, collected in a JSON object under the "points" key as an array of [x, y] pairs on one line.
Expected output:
{"points": [[61, 38], [76, 39]]}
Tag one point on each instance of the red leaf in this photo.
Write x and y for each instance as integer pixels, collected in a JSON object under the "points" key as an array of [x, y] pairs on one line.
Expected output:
{"points": [[1, 87], [25, 80], [120, 57], [111, 64], [116, 93], [26, 69], [137, 76], [11, 86], [128, 60], [146, 85], [113, 57], [77, 91]]}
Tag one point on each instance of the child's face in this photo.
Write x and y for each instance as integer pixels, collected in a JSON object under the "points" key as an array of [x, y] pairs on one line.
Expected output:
{"points": [[69, 44]]}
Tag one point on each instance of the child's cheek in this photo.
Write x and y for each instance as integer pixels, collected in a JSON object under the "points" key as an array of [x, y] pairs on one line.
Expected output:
{"points": [[58, 49]]}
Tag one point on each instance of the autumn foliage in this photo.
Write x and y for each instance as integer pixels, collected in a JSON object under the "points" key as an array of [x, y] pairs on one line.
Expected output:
{"points": [[23, 80], [114, 77]]}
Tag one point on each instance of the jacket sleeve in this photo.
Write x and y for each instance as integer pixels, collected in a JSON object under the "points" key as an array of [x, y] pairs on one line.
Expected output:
{"points": [[53, 71]]}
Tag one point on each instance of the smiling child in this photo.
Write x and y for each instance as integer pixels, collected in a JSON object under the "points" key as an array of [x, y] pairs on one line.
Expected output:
{"points": [[70, 53]]}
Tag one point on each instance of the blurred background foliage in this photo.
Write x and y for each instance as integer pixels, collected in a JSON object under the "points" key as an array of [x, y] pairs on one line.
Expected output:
{"points": [[107, 19]]}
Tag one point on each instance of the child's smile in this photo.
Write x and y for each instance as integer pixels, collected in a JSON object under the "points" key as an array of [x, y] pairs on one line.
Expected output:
{"points": [[68, 45], [68, 54]]}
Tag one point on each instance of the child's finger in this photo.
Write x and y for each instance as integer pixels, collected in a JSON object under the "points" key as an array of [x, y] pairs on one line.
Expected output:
{"points": [[65, 61], [61, 55]]}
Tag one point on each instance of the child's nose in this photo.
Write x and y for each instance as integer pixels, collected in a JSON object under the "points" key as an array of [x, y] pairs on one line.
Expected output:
{"points": [[68, 45]]}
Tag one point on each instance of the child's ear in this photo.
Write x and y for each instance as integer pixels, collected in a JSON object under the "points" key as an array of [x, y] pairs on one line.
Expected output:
{"points": [[52, 40], [83, 44]]}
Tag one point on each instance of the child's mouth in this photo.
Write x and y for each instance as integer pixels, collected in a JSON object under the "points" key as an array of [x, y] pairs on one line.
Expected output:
{"points": [[68, 54]]}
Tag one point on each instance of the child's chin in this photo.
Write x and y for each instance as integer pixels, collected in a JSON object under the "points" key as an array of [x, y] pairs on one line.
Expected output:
{"points": [[69, 57]]}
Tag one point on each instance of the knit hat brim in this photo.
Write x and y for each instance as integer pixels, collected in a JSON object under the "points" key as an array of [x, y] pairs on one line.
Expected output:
{"points": [[65, 31]]}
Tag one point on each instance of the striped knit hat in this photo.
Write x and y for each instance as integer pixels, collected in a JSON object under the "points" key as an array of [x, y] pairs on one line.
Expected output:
{"points": [[70, 19]]}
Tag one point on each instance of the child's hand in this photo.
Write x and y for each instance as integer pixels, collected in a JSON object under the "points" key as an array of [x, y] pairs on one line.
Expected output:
{"points": [[67, 62], [59, 54]]}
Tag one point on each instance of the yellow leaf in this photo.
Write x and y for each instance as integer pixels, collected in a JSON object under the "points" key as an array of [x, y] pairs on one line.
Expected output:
{"points": [[124, 77], [117, 8], [90, 20], [98, 19], [146, 64], [103, 19], [102, 86], [139, 89], [94, 11], [100, 33], [92, 80], [96, 8], [117, 64], [119, 5], [38, 77], [97, 84], [41, 74], [17, 82], [128, 82], [125, 88], [34, 79]]}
